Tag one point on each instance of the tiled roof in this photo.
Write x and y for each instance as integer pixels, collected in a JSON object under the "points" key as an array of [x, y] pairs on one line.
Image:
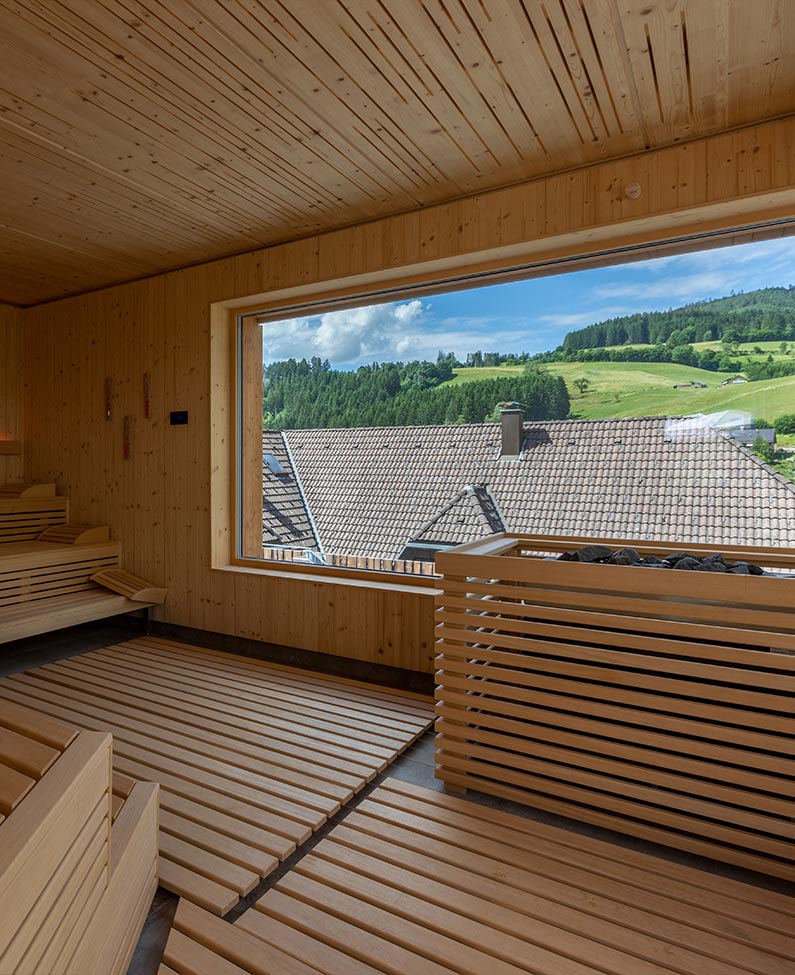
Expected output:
{"points": [[285, 519], [371, 490]]}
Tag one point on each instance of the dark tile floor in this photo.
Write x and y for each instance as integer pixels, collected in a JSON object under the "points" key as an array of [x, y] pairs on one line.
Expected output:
{"points": [[416, 765]]}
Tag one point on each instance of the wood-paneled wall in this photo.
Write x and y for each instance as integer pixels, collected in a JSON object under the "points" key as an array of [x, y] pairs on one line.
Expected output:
{"points": [[158, 502], [10, 389]]}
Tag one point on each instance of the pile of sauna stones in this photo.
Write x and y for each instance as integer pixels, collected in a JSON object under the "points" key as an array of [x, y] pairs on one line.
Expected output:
{"points": [[677, 560]]}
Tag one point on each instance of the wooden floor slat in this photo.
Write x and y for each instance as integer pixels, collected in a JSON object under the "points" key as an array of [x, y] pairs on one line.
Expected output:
{"points": [[251, 758], [156, 689], [423, 882]]}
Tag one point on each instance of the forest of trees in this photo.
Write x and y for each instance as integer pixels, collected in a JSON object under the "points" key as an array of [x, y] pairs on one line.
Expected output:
{"points": [[762, 316], [306, 394]]}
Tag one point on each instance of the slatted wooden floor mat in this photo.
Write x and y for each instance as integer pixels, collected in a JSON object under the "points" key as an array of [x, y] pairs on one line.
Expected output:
{"points": [[251, 757], [420, 882]]}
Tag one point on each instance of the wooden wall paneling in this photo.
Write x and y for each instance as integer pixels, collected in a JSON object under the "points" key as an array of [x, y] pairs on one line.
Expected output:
{"points": [[179, 562], [250, 421], [11, 391], [165, 519], [214, 593], [146, 551]]}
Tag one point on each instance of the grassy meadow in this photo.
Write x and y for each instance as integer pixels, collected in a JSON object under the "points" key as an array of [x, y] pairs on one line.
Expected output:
{"points": [[622, 389]]}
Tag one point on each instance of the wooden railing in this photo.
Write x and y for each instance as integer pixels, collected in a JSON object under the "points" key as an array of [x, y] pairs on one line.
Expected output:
{"points": [[655, 702]]}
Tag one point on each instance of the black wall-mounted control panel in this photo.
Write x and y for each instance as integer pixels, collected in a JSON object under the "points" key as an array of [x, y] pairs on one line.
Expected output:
{"points": [[179, 417]]}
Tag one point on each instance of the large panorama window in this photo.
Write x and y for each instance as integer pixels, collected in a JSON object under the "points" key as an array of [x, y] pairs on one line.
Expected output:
{"points": [[651, 400]]}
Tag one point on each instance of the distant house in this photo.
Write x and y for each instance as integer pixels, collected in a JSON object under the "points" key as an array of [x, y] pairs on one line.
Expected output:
{"points": [[695, 384], [405, 492], [698, 384], [734, 381], [683, 385]]}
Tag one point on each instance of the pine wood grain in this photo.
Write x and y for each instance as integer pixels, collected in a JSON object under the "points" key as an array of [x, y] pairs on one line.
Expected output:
{"points": [[250, 759], [418, 881]]}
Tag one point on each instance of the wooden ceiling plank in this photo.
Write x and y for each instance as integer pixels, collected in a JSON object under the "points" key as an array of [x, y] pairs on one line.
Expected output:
{"points": [[665, 40], [643, 69], [413, 103], [330, 117], [593, 31], [150, 193], [417, 35], [63, 252], [453, 114], [92, 233], [707, 32], [556, 42], [144, 112], [459, 24], [582, 60], [222, 56], [94, 199], [507, 28], [413, 133], [103, 126], [761, 53]]}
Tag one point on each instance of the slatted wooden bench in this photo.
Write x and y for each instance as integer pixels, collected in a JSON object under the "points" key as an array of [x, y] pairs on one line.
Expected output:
{"points": [[47, 585], [75, 886], [54, 574], [26, 510], [654, 702], [414, 881]]}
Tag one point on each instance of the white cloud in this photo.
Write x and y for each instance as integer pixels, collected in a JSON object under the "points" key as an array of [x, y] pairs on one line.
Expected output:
{"points": [[530, 316], [350, 337], [674, 287]]}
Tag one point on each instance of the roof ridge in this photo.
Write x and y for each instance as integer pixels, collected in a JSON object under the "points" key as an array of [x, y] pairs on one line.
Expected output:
{"points": [[299, 485], [319, 431], [751, 454]]}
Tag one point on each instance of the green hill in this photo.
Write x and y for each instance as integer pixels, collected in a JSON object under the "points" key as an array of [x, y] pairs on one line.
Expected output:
{"points": [[618, 389], [764, 315]]}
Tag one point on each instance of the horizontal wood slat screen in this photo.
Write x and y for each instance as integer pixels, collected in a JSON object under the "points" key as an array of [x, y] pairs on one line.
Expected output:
{"points": [[658, 703]]}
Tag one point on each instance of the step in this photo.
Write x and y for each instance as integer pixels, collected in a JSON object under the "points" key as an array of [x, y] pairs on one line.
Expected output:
{"points": [[23, 489], [75, 534], [21, 620]]}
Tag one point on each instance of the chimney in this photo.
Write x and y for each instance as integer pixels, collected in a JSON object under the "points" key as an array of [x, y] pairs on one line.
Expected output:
{"points": [[512, 433]]}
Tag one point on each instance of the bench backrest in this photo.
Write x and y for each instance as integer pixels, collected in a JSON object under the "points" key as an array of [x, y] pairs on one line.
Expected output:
{"points": [[24, 519]]}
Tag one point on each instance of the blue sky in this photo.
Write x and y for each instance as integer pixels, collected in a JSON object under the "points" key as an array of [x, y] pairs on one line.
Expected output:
{"points": [[531, 316]]}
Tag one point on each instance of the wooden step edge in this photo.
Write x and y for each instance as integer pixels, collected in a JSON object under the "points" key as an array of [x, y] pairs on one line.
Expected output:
{"points": [[10, 447], [75, 534], [24, 490]]}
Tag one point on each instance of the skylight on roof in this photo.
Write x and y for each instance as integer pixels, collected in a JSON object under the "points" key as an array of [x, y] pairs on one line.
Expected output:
{"points": [[274, 464]]}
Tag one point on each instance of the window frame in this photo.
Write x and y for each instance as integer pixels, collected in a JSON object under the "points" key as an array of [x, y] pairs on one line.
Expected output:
{"points": [[373, 288]]}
